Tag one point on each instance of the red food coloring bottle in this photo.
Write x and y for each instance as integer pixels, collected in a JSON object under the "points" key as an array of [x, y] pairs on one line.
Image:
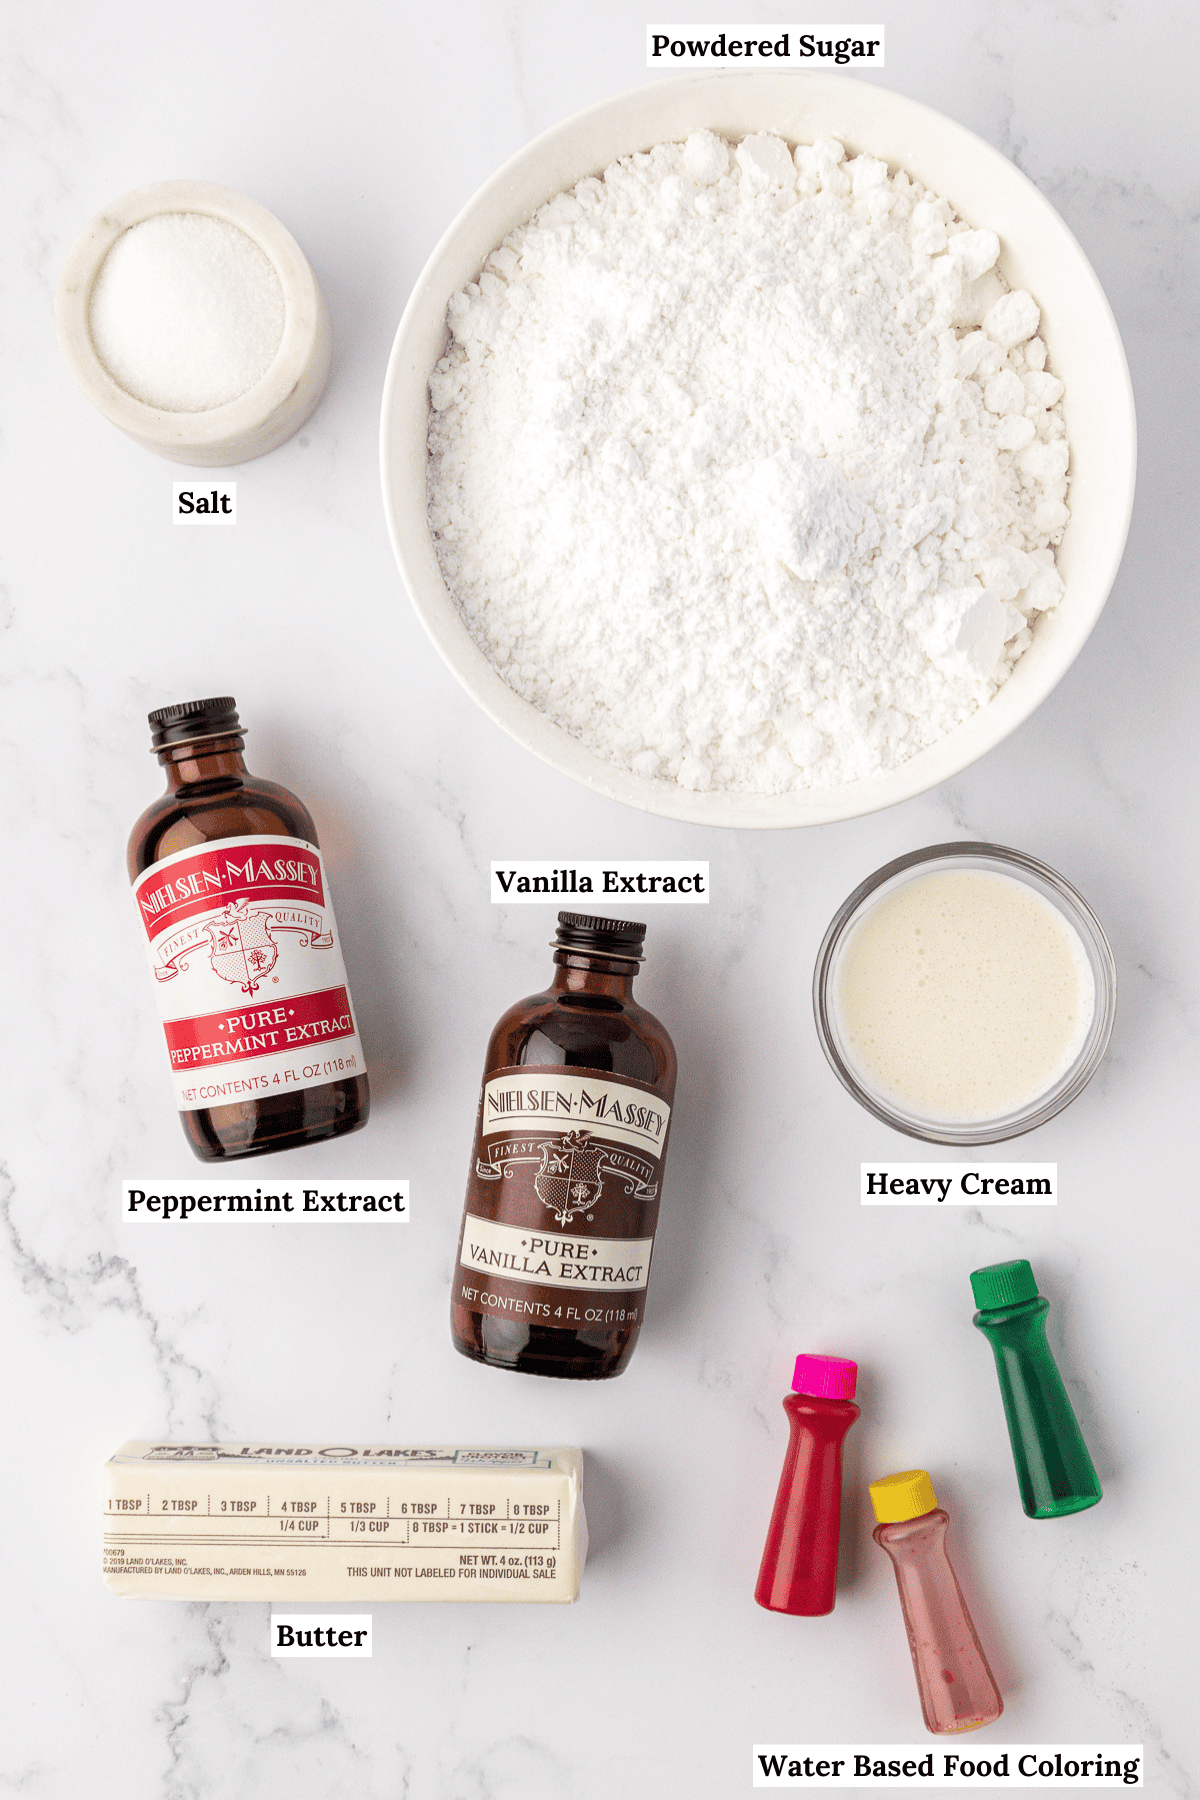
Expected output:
{"points": [[798, 1573]]}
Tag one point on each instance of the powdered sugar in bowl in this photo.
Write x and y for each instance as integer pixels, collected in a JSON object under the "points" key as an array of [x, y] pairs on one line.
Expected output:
{"points": [[708, 720]]}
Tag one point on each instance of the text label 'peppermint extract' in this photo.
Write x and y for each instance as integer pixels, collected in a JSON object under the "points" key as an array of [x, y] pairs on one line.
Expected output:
{"points": [[379, 1202]]}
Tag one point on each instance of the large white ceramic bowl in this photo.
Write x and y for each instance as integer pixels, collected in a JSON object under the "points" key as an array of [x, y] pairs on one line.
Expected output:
{"points": [[1038, 253]]}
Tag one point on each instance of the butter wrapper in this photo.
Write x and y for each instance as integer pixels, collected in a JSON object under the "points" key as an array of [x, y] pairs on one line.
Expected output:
{"points": [[343, 1522]]}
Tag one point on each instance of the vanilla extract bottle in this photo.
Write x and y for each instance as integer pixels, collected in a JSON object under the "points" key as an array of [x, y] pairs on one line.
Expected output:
{"points": [[567, 1166], [243, 948]]}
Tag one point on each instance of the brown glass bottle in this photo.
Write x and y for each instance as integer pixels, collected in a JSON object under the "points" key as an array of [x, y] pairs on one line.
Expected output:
{"points": [[566, 1172], [242, 947]]}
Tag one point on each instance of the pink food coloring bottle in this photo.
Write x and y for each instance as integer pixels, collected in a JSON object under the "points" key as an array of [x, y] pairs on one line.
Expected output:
{"points": [[798, 1574], [957, 1689]]}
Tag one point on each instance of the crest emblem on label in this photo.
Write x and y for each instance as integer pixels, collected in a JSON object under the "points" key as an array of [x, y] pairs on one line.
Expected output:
{"points": [[571, 1169], [243, 950], [570, 1179]]}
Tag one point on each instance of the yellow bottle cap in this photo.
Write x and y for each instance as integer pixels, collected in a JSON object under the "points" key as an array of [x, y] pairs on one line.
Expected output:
{"points": [[900, 1497]]}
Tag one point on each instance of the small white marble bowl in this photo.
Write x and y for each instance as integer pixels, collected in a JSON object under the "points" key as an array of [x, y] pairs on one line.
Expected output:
{"points": [[268, 413], [1038, 253]]}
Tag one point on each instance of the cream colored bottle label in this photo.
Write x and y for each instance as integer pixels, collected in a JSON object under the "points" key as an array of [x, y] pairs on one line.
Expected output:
{"points": [[562, 1200]]}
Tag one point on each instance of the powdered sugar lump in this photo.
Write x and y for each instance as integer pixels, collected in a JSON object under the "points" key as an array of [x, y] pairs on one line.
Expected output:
{"points": [[745, 466]]}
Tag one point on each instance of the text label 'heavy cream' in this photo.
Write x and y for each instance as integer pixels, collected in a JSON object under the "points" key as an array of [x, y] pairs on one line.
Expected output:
{"points": [[958, 1184]]}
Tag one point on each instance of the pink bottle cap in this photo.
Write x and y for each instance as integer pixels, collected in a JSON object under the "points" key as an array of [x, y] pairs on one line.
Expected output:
{"points": [[825, 1377]]}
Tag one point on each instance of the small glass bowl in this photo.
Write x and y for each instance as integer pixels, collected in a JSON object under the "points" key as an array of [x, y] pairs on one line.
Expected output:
{"points": [[996, 859]]}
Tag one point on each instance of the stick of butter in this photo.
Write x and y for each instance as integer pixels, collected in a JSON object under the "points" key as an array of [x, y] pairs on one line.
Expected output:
{"points": [[343, 1522]]}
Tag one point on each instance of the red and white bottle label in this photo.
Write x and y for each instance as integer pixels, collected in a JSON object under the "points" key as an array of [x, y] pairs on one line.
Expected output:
{"points": [[248, 971]]}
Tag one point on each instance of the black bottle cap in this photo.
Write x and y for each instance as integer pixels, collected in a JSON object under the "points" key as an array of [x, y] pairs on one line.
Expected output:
{"points": [[191, 720], [602, 937]]}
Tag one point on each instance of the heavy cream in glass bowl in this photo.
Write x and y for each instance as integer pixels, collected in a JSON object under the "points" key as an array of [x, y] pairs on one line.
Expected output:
{"points": [[965, 993]]}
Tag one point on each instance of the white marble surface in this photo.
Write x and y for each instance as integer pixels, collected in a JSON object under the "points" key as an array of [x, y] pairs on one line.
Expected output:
{"points": [[364, 128]]}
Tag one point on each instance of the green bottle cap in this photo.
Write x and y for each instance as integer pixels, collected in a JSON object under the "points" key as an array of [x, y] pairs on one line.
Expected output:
{"points": [[1003, 1284]]}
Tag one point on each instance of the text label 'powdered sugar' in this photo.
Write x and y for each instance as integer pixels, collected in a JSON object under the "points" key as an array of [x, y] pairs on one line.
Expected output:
{"points": [[192, 505], [644, 883], [766, 46], [959, 1184], [370, 1202]]}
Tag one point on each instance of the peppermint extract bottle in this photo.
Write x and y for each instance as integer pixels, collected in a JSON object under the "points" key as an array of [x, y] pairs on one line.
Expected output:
{"points": [[567, 1166], [243, 946]]}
